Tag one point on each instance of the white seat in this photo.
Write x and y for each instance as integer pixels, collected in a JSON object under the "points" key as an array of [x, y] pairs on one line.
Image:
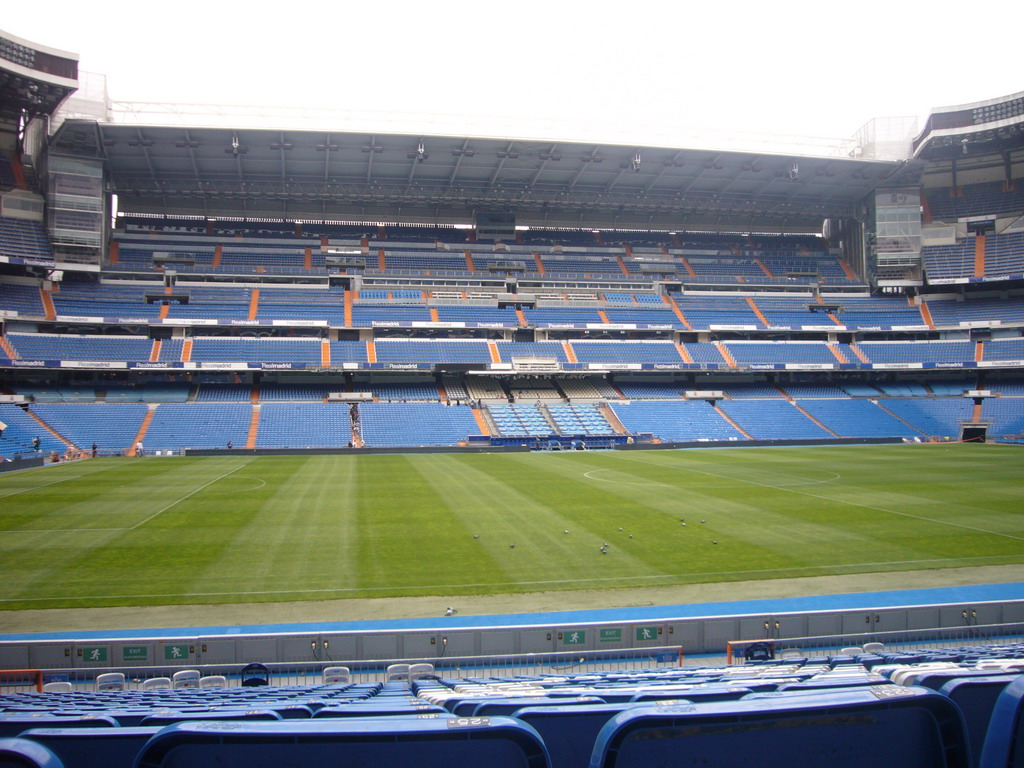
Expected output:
{"points": [[419, 671], [156, 684], [874, 647], [397, 672], [110, 681], [851, 651], [335, 675], [185, 678], [213, 681], [58, 687]]}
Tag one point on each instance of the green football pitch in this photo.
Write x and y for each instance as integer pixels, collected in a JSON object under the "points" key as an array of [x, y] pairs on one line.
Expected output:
{"points": [[125, 532]]}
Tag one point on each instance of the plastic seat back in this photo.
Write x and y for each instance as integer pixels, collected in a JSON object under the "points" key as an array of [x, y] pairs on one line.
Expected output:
{"points": [[92, 747], [883, 727], [498, 742], [21, 753]]}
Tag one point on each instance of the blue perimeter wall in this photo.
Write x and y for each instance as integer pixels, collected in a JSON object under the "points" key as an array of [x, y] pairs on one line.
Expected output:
{"points": [[980, 593]]}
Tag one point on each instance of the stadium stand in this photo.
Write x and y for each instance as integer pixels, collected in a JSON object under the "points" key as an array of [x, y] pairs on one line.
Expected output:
{"points": [[945, 705]]}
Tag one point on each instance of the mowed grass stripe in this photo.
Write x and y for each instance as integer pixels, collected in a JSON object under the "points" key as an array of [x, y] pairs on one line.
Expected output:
{"points": [[930, 505], [285, 528]]}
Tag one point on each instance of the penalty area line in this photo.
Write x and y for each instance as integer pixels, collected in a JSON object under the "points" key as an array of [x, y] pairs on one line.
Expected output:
{"points": [[186, 496]]}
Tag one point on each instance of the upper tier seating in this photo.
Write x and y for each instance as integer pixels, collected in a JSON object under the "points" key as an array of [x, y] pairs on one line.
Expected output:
{"points": [[24, 239], [949, 204]]}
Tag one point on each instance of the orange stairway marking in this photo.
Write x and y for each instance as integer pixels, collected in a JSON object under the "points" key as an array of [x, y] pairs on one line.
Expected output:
{"points": [[611, 417], [522, 317], [847, 270], [836, 353], [44, 296], [254, 428], [348, 309], [307, 258], [186, 351], [254, 395], [926, 314], [154, 353], [783, 392], [481, 421], [381, 260], [114, 252], [809, 416], [442, 392], [218, 252], [495, 354], [763, 268], [254, 303], [603, 316], [683, 353], [979, 256], [19, 173], [979, 351], [726, 354], [51, 430], [860, 354], [143, 428], [758, 312], [976, 413], [539, 263], [570, 353], [735, 426], [433, 315], [622, 264], [686, 264], [371, 352], [165, 310], [679, 313], [325, 353], [469, 262], [8, 349]]}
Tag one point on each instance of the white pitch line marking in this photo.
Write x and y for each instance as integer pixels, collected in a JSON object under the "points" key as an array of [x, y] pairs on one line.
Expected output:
{"points": [[186, 496], [37, 487]]}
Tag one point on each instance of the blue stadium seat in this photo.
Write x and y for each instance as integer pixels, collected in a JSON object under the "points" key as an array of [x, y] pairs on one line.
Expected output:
{"points": [[1004, 741], [20, 753], [93, 747], [13, 723], [498, 742], [891, 727]]}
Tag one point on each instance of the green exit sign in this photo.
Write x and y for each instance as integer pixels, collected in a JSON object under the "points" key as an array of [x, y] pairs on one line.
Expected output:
{"points": [[577, 637], [646, 633], [135, 653], [611, 635]]}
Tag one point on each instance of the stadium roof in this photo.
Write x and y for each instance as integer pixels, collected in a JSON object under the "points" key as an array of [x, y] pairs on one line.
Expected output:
{"points": [[405, 178]]}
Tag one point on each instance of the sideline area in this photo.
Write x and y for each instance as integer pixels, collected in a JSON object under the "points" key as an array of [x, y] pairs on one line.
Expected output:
{"points": [[855, 591]]}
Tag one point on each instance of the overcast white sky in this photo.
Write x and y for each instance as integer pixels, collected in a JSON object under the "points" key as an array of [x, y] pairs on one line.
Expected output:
{"points": [[539, 69]]}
